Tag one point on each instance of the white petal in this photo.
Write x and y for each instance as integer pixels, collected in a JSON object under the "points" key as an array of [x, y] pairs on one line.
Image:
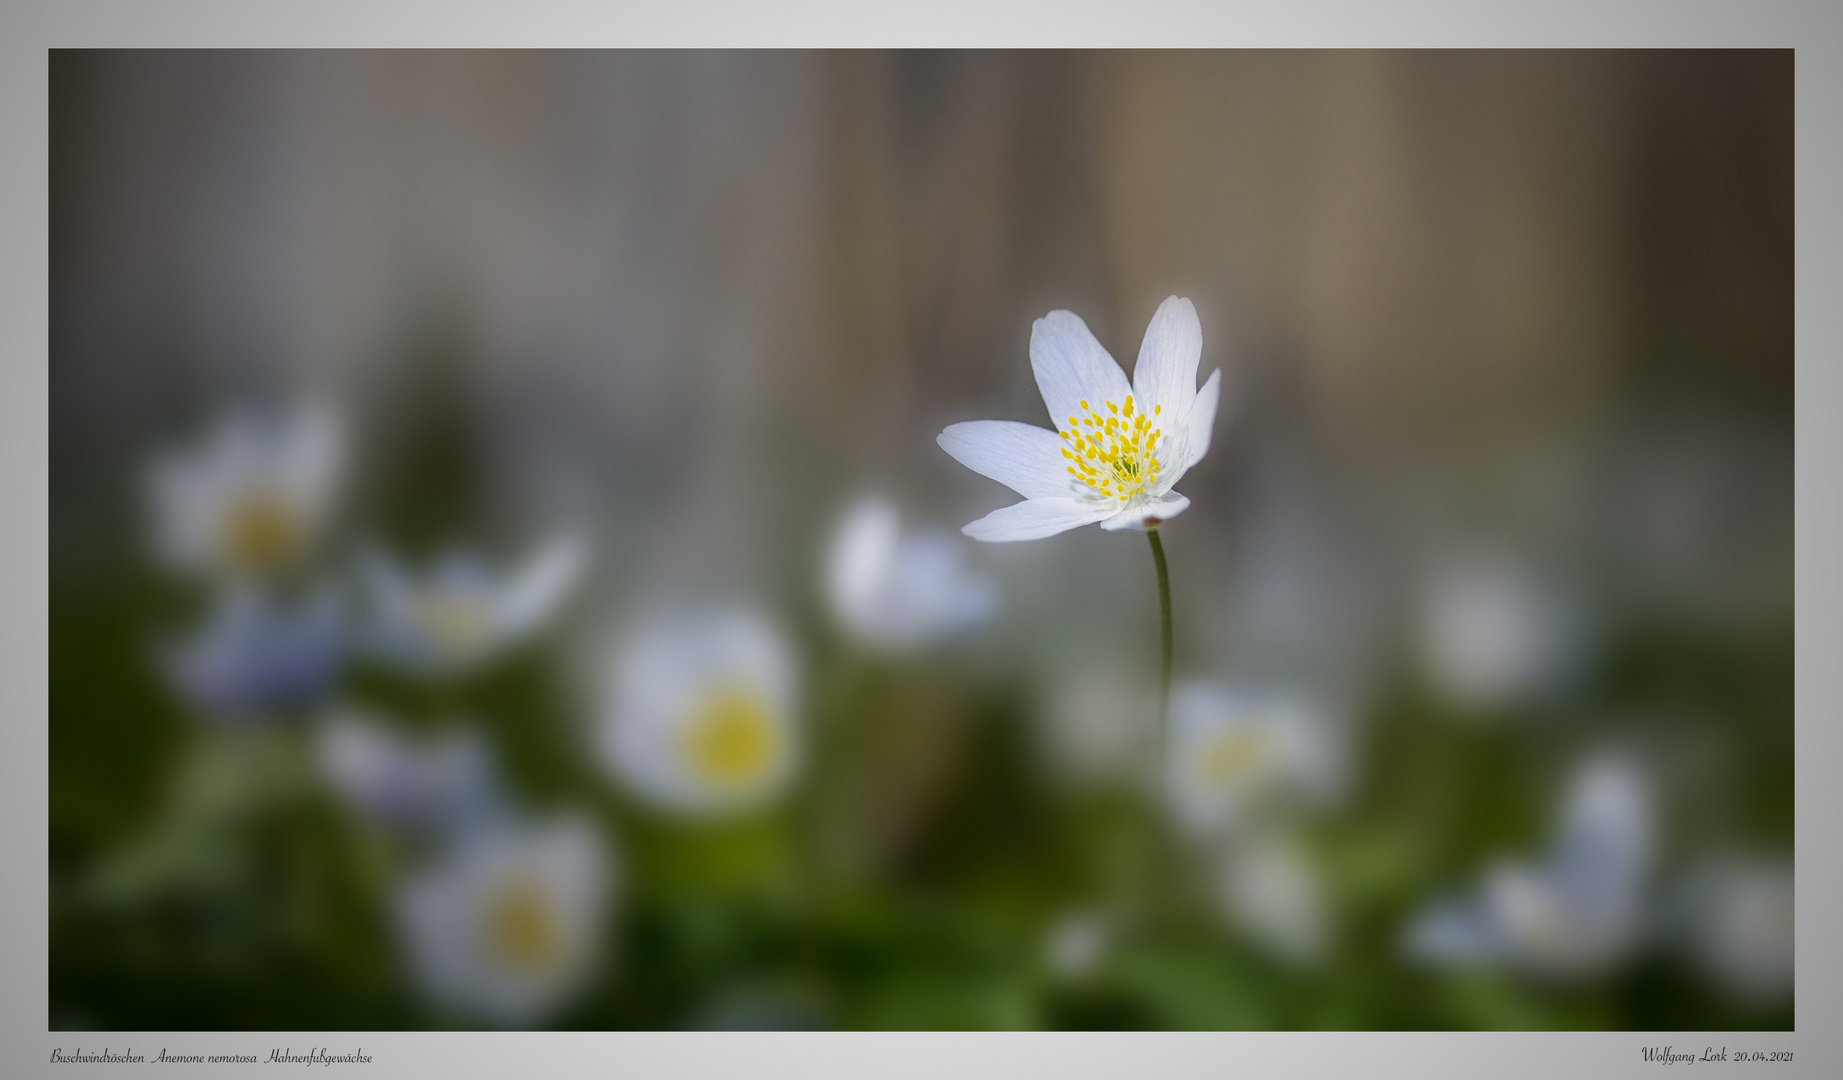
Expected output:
{"points": [[1072, 367], [1604, 847], [929, 593], [312, 449], [541, 584], [1148, 515], [1166, 372], [1201, 422], [859, 563], [1033, 519], [1025, 458]]}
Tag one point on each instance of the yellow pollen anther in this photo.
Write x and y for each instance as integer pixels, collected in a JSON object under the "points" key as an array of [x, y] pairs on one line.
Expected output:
{"points": [[1156, 409], [522, 927], [1122, 447], [731, 738]]}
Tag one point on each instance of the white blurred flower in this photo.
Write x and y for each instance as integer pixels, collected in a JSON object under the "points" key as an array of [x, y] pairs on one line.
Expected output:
{"points": [[1742, 926], [443, 783], [1117, 448], [1578, 912], [1100, 724], [509, 925], [898, 592], [249, 499], [463, 612], [701, 714], [1076, 944], [1229, 753], [256, 657], [1272, 893], [1490, 634]]}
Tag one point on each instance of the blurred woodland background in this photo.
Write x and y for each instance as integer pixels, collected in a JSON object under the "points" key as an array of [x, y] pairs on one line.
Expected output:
{"points": [[426, 425]]}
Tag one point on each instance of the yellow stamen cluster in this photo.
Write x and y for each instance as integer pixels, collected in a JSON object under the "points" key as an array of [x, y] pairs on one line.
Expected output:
{"points": [[260, 533], [1113, 452], [731, 737], [459, 624], [522, 926], [1231, 757]]}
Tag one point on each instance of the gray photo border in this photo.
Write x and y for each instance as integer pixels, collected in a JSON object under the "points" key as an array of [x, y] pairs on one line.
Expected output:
{"points": [[28, 28]]}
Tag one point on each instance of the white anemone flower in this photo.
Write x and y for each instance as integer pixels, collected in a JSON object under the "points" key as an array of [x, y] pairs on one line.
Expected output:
{"points": [[440, 784], [1117, 448], [1229, 754], [701, 717], [462, 612], [509, 925], [249, 500], [898, 592], [1272, 893], [256, 657], [1578, 912]]}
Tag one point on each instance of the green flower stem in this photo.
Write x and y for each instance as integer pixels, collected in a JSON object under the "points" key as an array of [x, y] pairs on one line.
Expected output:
{"points": [[1164, 630]]}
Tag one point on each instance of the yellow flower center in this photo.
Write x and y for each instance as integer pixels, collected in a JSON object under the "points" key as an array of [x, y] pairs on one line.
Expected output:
{"points": [[1112, 453], [522, 928], [731, 737], [458, 624], [260, 532], [1229, 758]]}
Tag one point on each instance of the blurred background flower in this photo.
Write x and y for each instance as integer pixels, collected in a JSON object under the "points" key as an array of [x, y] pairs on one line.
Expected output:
{"points": [[896, 592], [510, 924], [1576, 912], [1741, 922], [1228, 752], [701, 713], [1077, 944], [1491, 636], [252, 497], [1099, 724], [583, 347], [462, 612], [444, 783], [1271, 892], [257, 658]]}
